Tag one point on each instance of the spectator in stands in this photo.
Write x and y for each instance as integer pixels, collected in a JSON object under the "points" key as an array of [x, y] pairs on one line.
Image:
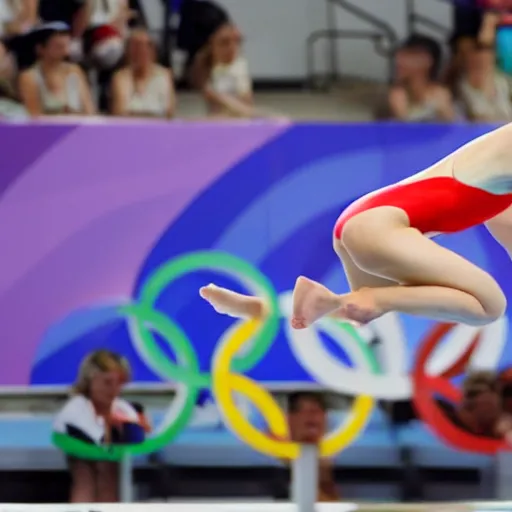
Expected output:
{"points": [[416, 95], [54, 86], [74, 13], [10, 107], [308, 424], [96, 415], [116, 13], [462, 47], [222, 74], [484, 91], [504, 382], [17, 18], [7, 64], [481, 410], [108, 30], [142, 88], [505, 387]]}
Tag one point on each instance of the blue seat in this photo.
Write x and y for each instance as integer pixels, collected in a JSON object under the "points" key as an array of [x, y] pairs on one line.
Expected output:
{"points": [[430, 452]]}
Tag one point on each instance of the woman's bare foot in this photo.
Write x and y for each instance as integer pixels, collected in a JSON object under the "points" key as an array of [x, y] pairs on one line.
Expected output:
{"points": [[312, 301], [360, 306], [227, 302]]}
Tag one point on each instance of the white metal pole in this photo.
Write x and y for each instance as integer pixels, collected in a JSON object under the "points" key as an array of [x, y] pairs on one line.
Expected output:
{"points": [[305, 478], [126, 479]]}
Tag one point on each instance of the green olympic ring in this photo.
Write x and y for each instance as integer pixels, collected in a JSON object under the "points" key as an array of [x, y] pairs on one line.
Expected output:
{"points": [[218, 262], [145, 321], [177, 416]]}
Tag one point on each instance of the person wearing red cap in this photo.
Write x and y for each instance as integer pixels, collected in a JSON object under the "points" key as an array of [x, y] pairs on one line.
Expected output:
{"points": [[106, 46]]}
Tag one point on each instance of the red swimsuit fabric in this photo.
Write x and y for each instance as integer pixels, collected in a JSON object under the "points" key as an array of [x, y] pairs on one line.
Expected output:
{"points": [[434, 205]]}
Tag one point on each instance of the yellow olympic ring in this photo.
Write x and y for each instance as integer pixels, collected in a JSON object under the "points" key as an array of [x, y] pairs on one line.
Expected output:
{"points": [[224, 383]]}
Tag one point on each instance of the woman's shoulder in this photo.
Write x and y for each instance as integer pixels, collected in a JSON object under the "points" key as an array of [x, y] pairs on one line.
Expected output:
{"points": [[72, 411], [122, 76], [397, 92], [161, 72], [121, 407], [29, 73], [72, 69], [75, 403], [240, 64], [440, 91], [123, 72]]}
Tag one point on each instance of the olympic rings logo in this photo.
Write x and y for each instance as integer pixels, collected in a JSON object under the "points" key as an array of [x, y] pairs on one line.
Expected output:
{"points": [[245, 344]]}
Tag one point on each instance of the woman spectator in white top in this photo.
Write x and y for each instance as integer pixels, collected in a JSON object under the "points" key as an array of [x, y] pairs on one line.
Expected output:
{"points": [[17, 17], [484, 90], [96, 415], [222, 74], [416, 96], [54, 86], [142, 88]]}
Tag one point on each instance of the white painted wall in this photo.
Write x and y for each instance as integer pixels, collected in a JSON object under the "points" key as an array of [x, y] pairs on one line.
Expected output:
{"points": [[276, 33]]}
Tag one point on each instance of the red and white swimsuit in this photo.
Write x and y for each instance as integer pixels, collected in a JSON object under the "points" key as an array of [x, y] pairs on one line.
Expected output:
{"points": [[434, 205]]}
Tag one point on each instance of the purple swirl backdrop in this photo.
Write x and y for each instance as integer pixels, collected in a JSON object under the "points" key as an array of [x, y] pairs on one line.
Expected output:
{"points": [[89, 212], [83, 201]]}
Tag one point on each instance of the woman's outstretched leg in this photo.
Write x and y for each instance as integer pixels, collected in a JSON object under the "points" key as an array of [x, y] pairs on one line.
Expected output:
{"points": [[434, 282]]}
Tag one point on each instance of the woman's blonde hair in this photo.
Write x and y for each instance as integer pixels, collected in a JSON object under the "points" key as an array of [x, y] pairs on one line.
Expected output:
{"points": [[100, 361]]}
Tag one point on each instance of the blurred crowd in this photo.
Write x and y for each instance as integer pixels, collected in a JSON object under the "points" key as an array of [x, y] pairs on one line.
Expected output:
{"points": [[486, 407], [97, 414], [89, 57], [470, 87], [473, 83]]}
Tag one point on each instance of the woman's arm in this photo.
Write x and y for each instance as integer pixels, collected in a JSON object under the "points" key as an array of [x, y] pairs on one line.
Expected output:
{"points": [[83, 481], [29, 93], [328, 490], [244, 86], [487, 34], [234, 106], [30, 12], [172, 96], [107, 482], [445, 108], [124, 16], [397, 101], [119, 105], [81, 19], [89, 108]]}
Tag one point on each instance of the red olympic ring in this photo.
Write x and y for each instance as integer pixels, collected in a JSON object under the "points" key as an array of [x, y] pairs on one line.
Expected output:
{"points": [[426, 388]]}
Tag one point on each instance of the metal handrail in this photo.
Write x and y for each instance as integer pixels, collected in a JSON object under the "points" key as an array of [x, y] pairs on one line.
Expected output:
{"points": [[333, 35], [413, 19], [384, 37], [386, 29]]}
